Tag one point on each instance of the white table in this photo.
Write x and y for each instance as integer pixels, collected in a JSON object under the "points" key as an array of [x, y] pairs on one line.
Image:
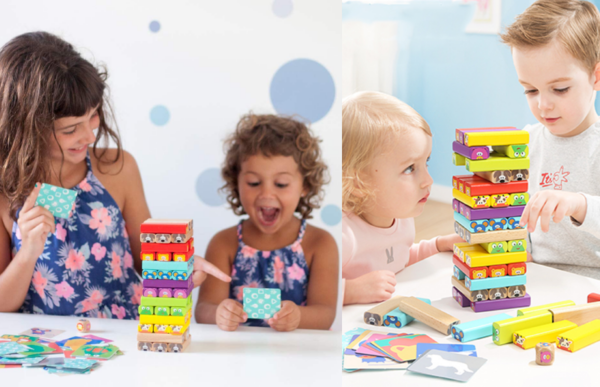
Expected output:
{"points": [[250, 356], [507, 365]]}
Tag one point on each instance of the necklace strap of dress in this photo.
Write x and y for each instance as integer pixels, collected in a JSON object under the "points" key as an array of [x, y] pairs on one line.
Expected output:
{"points": [[239, 230], [302, 229]]}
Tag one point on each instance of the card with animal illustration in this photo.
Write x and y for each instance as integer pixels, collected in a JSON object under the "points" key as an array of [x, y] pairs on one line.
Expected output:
{"points": [[42, 332], [402, 348], [95, 352], [447, 365], [465, 349], [262, 303], [353, 361], [365, 349]]}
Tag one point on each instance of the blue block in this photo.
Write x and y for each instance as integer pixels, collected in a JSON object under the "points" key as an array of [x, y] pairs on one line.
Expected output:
{"points": [[477, 329], [496, 282], [458, 273], [513, 223], [473, 226], [398, 319]]}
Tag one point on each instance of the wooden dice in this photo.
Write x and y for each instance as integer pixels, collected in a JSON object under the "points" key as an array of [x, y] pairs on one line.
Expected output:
{"points": [[544, 353]]}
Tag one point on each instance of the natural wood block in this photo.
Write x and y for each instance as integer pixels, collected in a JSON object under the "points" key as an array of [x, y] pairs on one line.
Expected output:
{"points": [[579, 314], [427, 314], [374, 316]]}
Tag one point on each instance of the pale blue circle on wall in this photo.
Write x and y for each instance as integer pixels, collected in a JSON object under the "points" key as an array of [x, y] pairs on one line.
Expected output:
{"points": [[154, 26], [207, 186], [159, 115], [283, 8], [303, 87], [331, 215]]}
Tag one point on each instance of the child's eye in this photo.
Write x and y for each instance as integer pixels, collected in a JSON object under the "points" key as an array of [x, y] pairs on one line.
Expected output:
{"points": [[409, 170], [253, 183], [530, 91], [70, 132], [561, 91], [280, 185]]}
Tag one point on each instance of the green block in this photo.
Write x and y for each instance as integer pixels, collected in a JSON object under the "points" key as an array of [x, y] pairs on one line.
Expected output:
{"points": [[162, 310], [164, 301], [146, 309]]}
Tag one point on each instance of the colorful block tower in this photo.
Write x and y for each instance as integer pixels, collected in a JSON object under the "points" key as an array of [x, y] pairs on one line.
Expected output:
{"points": [[167, 267], [490, 268]]}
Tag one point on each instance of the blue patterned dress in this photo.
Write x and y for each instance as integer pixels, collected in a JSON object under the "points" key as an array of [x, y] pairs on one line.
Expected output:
{"points": [[284, 269], [86, 268]]}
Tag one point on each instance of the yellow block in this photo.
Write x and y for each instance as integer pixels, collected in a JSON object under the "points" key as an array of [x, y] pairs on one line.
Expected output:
{"points": [[502, 331], [545, 307], [461, 248], [528, 338], [578, 338], [165, 320], [477, 256], [482, 201], [458, 160], [509, 137]]}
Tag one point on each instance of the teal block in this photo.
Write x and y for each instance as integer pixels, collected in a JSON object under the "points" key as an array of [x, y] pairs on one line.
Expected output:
{"points": [[473, 226], [59, 201], [398, 319], [497, 224], [168, 266], [496, 282], [477, 329], [458, 273], [513, 223], [180, 275], [262, 303]]}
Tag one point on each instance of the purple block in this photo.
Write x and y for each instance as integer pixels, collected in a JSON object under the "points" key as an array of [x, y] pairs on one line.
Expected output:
{"points": [[181, 293], [165, 292], [461, 133], [460, 298], [169, 283], [456, 205], [505, 303], [491, 213], [149, 292], [472, 153]]}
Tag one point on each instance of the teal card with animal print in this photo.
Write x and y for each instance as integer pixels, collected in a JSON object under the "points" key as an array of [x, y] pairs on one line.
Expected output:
{"points": [[59, 201], [262, 303]]}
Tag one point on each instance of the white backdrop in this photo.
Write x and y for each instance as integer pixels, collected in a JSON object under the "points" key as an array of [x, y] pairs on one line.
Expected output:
{"points": [[181, 74]]}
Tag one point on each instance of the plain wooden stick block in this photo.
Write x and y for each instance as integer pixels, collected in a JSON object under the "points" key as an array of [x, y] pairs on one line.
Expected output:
{"points": [[490, 236], [473, 153], [163, 337], [503, 330], [593, 297], [482, 201], [580, 337], [528, 338], [498, 282], [460, 133], [505, 303], [504, 176], [508, 137], [170, 226], [513, 151], [545, 307], [428, 314], [473, 296], [477, 329], [374, 316], [460, 298], [579, 314], [397, 319], [496, 162]]}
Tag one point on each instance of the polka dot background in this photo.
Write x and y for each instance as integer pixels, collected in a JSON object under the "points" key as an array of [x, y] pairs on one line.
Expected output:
{"points": [[154, 26], [159, 115], [283, 8], [207, 187]]}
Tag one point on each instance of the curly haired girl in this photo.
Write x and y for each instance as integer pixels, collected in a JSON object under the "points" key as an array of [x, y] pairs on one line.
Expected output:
{"points": [[272, 170]]}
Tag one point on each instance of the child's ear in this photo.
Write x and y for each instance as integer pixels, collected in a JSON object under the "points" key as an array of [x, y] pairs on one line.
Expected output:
{"points": [[597, 77]]}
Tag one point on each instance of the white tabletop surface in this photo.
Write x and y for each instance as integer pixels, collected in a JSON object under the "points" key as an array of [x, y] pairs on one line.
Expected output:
{"points": [[251, 356], [507, 365]]}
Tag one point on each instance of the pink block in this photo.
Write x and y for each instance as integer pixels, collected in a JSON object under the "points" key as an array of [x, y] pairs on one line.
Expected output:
{"points": [[181, 293], [165, 292], [150, 292]]}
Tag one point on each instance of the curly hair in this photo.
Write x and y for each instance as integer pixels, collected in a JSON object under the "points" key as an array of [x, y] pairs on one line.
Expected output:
{"points": [[42, 79], [272, 135]]}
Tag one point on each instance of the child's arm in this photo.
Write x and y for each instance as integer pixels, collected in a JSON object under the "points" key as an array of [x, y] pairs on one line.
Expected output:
{"points": [[15, 275], [321, 299]]}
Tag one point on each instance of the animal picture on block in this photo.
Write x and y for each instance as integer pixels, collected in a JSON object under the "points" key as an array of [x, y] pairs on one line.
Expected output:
{"points": [[261, 303], [447, 365]]}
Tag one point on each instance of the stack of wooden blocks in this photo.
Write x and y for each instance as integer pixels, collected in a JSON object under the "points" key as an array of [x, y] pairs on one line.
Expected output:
{"points": [[167, 267], [490, 269]]}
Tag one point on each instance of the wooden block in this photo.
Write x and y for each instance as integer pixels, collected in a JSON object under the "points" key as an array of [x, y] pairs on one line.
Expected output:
{"points": [[544, 308], [181, 293], [182, 238], [466, 271], [180, 275], [474, 185], [513, 151], [504, 176], [472, 295], [530, 337], [145, 328], [150, 292], [460, 298], [460, 133], [168, 247], [162, 238], [491, 236], [148, 238], [517, 291], [428, 314], [505, 303], [162, 328], [183, 257], [518, 199], [169, 320], [164, 347], [497, 270], [499, 200], [472, 201], [496, 163], [146, 309], [477, 329], [171, 226], [593, 297], [148, 256], [458, 160], [397, 319], [458, 274], [374, 316], [167, 266], [168, 284], [161, 311], [580, 337], [518, 268], [496, 138], [455, 205], [517, 245], [473, 226], [514, 223], [163, 338], [163, 257], [503, 330], [474, 153], [544, 353], [579, 314], [165, 292], [158, 301], [495, 247], [497, 293], [498, 282], [483, 258]]}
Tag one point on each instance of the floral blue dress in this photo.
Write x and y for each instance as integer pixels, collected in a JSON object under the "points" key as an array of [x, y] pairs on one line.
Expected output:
{"points": [[86, 268], [284, 269]]}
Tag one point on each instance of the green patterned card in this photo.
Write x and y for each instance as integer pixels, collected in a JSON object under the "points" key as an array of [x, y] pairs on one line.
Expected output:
{"points": [[261, 303], [59, 201]]}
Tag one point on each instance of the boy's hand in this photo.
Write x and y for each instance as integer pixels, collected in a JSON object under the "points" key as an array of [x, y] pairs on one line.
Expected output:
{"points": [[230, 314], [287, 319], [555, 205], [376, 286], [202, 268], [34, 224], [446, 242]]}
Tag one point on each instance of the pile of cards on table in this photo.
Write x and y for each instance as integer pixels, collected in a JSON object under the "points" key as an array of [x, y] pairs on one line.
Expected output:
{"points": [[75, 355], [376, 350]]}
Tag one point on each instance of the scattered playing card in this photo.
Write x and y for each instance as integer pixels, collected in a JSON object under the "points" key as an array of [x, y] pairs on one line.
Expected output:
{"points": [[465, 349], [42, 332], [12, 347], [447, 365]]}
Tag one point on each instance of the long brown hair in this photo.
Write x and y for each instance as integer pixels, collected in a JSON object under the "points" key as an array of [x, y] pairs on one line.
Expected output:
{"points": [[42, 79]]}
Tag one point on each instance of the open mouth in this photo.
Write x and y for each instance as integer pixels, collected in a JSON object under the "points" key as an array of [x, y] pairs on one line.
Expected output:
{"points": [[551, 120], [424, 199], [78, 150], [268, 215]]}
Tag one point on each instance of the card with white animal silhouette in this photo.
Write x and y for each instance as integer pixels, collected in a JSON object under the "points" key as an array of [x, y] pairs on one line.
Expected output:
{"points": [[59, 201], [42, 332], [354, 361], [403, 348], [262, 303], [465, 349], [447, 365]]}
